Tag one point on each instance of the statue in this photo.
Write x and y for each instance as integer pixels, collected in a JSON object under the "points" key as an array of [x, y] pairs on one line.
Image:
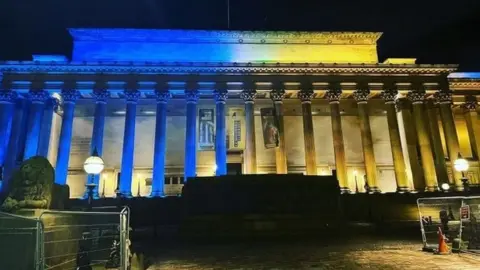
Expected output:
{"points": [[32, 187]]}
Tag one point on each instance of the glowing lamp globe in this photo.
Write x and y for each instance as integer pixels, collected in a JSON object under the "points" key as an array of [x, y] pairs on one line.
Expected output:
{"points": [[94, 165], [461, 165], [445, 186]]}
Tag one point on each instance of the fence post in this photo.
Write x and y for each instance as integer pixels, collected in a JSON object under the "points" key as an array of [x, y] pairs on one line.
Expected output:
{"points": [[39, 255]]}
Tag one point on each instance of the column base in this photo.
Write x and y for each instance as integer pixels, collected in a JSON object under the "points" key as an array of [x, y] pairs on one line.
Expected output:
{"points": [[157, 194], [374, 190], [345, 190], [432, 189], [459, 188], [126, 194], [95, 196], [403, 190]]}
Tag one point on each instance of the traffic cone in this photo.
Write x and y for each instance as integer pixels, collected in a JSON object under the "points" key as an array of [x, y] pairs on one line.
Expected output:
{"points": [[442, 245]]}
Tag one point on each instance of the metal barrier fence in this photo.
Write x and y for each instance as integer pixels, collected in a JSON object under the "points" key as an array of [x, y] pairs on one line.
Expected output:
{"points": [[19, 242], [456, 217], [66, 240]]}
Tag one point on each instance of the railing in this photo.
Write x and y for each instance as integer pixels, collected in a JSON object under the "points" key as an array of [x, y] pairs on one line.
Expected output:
{"points": [[457, 217], [19, 242], [66, 240]]}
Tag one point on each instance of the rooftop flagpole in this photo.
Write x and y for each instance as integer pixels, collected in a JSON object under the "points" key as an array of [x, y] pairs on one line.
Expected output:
{"points": [[228, 14]]}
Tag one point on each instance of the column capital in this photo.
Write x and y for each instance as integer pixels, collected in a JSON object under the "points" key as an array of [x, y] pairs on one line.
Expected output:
{"points": [[443, 97], [470, 104], [389, 95], [54, 103], [8, 96], [306, 95], [70, 96], [101, 96], [416, 97], [131, 96], [220, 95], [277, 95], [191, 96], [248, 95], [38, 96], [333, 95], [402, 104], [162, 96], [430, 103], [361, 95]]}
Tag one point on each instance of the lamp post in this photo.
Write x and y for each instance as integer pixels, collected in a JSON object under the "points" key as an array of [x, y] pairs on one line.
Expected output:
{"points": [[93, 165], [461, 165]]}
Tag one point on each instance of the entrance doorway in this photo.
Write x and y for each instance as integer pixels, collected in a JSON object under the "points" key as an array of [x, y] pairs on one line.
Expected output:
{"points": [[234, 168]]}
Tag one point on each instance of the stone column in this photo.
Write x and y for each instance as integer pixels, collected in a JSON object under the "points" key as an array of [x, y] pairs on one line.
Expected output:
{"points": [[248, 96], [220, 131], [277, 95], [333, 97], [32, 139], [17, 138], [428, 165], [440, 165], [96, 145], [361, 96], [403, 107], [63, 155], [45, 131], [305, 96], [7, 100], [160, 144], [444, 99], [395, 142], [190, 168], [126, 173], [471, 118]]}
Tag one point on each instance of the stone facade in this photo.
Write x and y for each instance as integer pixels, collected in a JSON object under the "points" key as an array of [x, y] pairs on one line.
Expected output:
{"points": [[344, 97]]}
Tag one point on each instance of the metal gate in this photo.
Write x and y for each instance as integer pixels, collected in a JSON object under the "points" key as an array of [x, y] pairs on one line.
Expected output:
{"points": [[66, 240], [457, 218]]}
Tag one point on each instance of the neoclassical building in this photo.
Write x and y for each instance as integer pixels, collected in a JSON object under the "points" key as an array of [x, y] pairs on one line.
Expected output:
{"points": [[160, 106]]}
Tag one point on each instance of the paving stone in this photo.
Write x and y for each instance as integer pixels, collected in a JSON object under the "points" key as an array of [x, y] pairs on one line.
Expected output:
{"points": [[352, 254]]}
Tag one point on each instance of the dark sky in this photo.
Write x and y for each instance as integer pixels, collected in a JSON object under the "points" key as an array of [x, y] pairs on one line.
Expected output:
{"points": [[432, 31]]}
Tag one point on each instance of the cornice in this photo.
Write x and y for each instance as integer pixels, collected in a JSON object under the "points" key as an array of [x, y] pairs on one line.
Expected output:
{"points": [[464, 84], [218, 68], [218, 36]]}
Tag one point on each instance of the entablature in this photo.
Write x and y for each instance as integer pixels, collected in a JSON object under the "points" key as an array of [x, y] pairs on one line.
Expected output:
{"points": [[222, 68]]}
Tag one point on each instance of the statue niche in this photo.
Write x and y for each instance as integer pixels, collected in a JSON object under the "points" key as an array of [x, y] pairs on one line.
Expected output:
{"points": [[32, 187]]}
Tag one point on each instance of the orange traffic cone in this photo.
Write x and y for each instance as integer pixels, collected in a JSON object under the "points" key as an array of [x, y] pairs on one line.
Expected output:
{"points": [[442, 245]]}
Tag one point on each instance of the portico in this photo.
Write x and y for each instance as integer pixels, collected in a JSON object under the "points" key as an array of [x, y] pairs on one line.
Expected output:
{"points": [[156, 121]]}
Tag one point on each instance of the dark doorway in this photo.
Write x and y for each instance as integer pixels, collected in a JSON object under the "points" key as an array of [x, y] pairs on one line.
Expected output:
{"points": [[234, 168]]}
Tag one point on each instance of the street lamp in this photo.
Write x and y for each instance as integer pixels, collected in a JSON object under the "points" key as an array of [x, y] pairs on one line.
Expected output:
{"points": [[93, 166], [461, 165], [445, 187]]}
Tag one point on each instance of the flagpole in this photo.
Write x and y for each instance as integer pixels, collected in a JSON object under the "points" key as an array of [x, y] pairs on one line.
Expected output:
{"points": [[228, 14]]}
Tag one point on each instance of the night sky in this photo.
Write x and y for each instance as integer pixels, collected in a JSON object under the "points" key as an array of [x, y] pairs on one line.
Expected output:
{"points": [[432, 31]]}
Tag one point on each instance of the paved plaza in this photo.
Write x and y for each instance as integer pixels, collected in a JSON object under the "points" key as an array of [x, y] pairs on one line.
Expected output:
{"points": [[355, 253]]}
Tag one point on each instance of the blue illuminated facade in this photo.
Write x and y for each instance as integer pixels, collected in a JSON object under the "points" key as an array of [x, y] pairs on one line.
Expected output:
{"points": [[118, 72]]}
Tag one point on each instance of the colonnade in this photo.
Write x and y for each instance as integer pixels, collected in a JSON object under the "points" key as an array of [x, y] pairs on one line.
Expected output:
{"points": [[417, 113]]}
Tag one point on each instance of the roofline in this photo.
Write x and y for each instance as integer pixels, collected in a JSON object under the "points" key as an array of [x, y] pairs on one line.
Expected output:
{"points": [[164, 35]]}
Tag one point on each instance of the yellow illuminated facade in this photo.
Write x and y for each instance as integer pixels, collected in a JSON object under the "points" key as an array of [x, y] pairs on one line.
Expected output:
{"points": [[379, 126]]}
